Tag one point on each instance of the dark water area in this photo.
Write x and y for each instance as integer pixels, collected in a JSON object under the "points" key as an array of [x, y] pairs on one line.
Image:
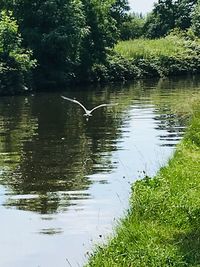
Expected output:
{"points": [[65, 181]]}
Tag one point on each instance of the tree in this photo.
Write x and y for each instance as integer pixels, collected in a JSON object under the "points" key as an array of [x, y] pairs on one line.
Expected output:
{"points": [[54, 30], [167, 15], [67, 36], [119, 11], [196, 20], [15, 62], [132, 27], [161, 19], [9, 36], [102, 33], [184, 13]]}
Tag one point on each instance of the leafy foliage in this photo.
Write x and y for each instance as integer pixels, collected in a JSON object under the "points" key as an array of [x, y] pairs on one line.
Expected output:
{"points": [[118, 11], [161, 20], [172, 55], [54, 30], [73, 40], [167, 15], [10, 39], [184, 15], [132, 27], [67, 36], [15, 62], [102, 30], [196, 20]]}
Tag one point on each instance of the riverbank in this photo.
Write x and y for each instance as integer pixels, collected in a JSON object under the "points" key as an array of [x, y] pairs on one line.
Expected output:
{"points": [[175, 54], [162, 225], [130, 60]]}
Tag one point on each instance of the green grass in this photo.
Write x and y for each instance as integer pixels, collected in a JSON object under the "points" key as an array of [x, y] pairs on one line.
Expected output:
{"points": [[144, 58], [162, 227], [145, 48]]}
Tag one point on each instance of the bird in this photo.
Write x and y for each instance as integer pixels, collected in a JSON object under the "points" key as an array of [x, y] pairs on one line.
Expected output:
{"points": [[88, 113]]}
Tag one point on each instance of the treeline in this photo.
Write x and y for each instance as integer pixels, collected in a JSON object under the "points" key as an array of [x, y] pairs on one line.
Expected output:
{"points": [[167, 43], [55, 42], [165, 16], [48, 44]]}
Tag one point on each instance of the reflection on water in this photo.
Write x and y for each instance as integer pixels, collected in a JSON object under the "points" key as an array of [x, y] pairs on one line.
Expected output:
{"points": [[63, 179]]}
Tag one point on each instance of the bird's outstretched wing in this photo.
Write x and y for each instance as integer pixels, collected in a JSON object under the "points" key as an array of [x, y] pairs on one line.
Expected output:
{"points": [[102, 105], [74, 101]]}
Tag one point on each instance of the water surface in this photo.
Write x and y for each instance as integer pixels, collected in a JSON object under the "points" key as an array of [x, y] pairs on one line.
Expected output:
{"points": [[65, 181]]}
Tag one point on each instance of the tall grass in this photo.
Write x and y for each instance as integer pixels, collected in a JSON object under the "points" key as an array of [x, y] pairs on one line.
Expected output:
{"points": [[142, 58], [162, 227], [145, 48]]}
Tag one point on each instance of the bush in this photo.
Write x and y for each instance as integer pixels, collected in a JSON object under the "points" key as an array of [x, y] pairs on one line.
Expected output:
{"points": [[172, 55], [116, 68]]}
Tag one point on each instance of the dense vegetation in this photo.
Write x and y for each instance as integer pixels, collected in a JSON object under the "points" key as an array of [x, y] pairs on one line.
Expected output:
{"points": [[162, 224], [175, 54], [50, 44], [15, 61], [66, 37], [168, 15]]}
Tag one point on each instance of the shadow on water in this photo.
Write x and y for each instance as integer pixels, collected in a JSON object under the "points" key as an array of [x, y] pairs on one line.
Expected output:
{"points": [[49, 149]]}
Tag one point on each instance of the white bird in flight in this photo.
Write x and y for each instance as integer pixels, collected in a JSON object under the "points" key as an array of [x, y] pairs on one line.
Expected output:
{"points": [[87, 112]]}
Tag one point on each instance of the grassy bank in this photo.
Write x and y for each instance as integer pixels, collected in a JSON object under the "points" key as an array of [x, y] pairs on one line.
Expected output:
{"points": [[147, 48], [129, 60], [142, 58], [162, 227]]}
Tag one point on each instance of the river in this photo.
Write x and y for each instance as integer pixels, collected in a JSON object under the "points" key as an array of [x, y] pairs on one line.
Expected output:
{"points": [[65, 181]]}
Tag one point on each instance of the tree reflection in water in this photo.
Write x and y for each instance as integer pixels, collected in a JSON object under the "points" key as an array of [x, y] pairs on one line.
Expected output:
{"points": [[48, 150]]}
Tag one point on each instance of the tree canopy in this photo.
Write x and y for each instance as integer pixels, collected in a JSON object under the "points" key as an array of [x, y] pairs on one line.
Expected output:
{"points": [[71, 38], [167, 15], [15, 61], [67, 36], [196, 20]]}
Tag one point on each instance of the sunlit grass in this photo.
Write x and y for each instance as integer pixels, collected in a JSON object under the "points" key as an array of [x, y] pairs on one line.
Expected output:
{"points": [[145, 48], [162, 227]]}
